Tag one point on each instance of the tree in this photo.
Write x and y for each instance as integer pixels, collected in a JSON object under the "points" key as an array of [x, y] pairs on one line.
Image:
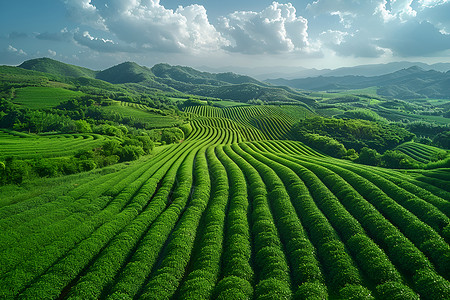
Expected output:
{"points": [[172, 135], [83, 126], [369, 156]]}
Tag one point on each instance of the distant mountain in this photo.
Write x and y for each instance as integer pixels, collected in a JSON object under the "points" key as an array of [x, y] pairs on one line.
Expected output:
{"points": [[413, 82], [190, 75], [223, 85], [382, 69], [55, 67], [126, 72], [176, 78], [362, 70]]}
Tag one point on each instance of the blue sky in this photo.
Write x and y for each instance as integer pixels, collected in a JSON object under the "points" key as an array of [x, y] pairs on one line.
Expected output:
{"points": [[253, 33]]}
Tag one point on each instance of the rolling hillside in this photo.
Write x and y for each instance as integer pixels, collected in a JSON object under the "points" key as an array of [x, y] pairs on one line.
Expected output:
{"points": [[270, 219], [177, 78], [409, 83], [225, 206]]}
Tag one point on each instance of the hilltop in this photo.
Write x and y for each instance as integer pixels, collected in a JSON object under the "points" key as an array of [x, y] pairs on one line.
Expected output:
{"points": [[409, 83], [176, 78]]}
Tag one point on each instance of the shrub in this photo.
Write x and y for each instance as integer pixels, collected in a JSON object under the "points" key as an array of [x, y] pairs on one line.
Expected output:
{"points": [[172, 135], [128, 153], [368, 156], [355, 292], [311, 291], [395, 291]]}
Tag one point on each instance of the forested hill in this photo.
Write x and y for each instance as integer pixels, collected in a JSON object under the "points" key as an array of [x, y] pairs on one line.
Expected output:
{"points": [[413, 82], [177, 78]]}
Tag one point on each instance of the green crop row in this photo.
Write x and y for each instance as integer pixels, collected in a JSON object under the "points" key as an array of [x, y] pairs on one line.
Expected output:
{"points": [[269, 258], [237, 273], [336, 262], [405, 256], [285, 190], [91, 232], [138, 268], [51, 220], [370, 258], [105, 268], [419, 232]]}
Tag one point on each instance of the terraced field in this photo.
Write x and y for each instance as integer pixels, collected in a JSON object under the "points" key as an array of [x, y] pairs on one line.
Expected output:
{"points": [[421, 153], [28, 146], [43, 97], [219, 218], [142, 113], [272, 122]]}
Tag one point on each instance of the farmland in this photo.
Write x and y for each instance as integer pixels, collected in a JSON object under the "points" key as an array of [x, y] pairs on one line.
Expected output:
{"points": [[271, 219], [229, 204], [43, 97]]}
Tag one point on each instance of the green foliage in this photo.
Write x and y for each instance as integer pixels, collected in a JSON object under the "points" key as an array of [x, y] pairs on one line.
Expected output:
{"points": [[172, 135], [443, 139], [83, 126], [363, 114], [48, 65], [369, 157], [355, 134], [396, 160], [43, 97], [215, 216], [322, 143], [395, 291]]}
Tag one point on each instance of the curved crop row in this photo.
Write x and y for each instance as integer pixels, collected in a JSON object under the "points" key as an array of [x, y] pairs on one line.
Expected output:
{"points": [[273, 280], [407, 258]]}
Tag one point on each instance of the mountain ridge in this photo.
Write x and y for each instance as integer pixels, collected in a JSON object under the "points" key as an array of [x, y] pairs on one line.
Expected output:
{"points": [[177, 78], [408, 83]]}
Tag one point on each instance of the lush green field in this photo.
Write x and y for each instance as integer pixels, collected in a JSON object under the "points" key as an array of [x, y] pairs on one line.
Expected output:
{"points": [[422, 153], [58, 145], [219, 218], [230, 207], [43, 97], [142, 113], [272, 122]]}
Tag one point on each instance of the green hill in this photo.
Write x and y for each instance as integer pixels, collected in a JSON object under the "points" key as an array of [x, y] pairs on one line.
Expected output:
{"points": [[55, 67], [135, 199], [190, 75], [176, 78], [410, 83], [125, 73]]}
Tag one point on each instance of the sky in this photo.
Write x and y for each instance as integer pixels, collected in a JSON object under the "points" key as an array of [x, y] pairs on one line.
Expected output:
{"points": [[220, 34]]}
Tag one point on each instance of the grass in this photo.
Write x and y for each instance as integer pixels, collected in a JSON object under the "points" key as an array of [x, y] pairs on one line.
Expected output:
{"points": [[155, 120], [227, 103], [43, 97]]}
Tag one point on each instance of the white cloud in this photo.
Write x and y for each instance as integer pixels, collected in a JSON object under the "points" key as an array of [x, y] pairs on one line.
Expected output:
{"points": [[333, 37], [11, 49], [403, 39], [432, 3], [399, 9], [147, 25], [100, 44], [62, 35], [51, 52], [276, 29], [85, 12], [345, 18]]}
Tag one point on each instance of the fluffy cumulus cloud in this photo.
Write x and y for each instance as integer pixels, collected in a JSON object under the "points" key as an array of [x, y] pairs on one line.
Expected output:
{"points": [[148, 25], [378, 27], [275, 29], [14, 50], [404, 40], [62, 35], [347, 28]]}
